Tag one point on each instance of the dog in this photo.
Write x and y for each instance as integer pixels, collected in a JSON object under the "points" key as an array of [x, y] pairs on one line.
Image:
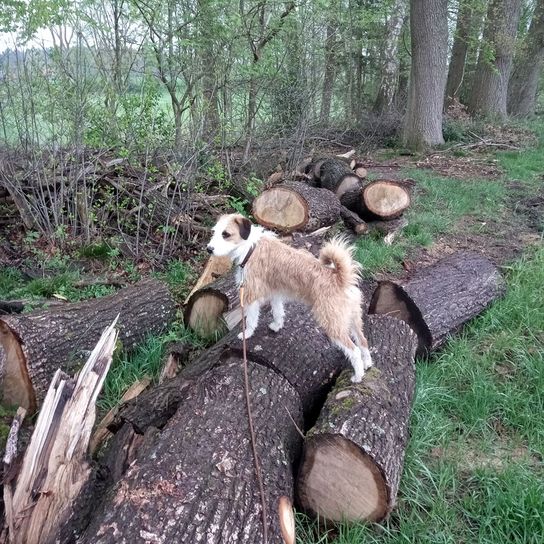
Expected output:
{"points": [[274, 272]]}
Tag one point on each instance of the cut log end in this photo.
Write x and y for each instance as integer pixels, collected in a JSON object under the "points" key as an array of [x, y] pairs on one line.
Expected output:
{"points": [[281, 208], [390, 299], [205, 310], [341, 475], [17, 388], [386, 199], [287, 520]]}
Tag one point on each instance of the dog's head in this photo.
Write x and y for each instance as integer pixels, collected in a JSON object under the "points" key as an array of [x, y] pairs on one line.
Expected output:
{"points": [[229, 233]]}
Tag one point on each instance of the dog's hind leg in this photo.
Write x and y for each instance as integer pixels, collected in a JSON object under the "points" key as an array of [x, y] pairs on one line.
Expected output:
{"points": [[360, 340], [252, 319], [278, 313], [353, 353]]}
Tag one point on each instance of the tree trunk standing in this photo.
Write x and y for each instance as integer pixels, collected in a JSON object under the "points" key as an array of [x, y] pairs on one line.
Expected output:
{"points": [[429, 31], [330, 72], [528, 64], [463, 31], [490, 88], [390, 59]]}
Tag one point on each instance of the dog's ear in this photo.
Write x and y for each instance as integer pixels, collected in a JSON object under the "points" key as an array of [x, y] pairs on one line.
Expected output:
{"points": [[244, 225]]}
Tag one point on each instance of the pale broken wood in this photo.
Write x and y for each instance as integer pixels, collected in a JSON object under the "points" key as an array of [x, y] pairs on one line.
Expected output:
{"points": [[101, 432], [55, 466], [215, 268]]}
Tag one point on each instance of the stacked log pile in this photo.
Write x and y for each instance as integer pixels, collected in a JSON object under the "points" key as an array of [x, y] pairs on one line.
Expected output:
{"points": [[364, 206]]}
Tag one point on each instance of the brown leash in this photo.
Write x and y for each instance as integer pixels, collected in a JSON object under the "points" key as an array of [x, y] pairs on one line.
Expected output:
{"points": [[250, 419]]}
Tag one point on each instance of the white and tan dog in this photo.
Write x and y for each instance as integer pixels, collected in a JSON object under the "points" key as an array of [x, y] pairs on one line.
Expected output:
{"points": [[274, 272]]}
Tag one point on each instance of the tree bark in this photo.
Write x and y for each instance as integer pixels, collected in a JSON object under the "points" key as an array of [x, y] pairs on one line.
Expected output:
{"points": [[490, 88], [338, 177], [385, 98], [330, 69], [353, 456], [196, 482], [296, 206], [523, 86], [38, 343], [463, 31], [438, 300], [429, 31]]}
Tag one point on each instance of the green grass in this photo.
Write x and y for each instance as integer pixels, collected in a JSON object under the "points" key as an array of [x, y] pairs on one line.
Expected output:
{"points": [[439, 205], [473, 469]]}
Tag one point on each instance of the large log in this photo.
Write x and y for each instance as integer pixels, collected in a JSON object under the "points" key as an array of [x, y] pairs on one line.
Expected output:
{"points": [[55, 467], [437, 300], [37, 343], [386, 199], [196, 481], [295, 206], [353, 456], [300, 351], [338, 177]]}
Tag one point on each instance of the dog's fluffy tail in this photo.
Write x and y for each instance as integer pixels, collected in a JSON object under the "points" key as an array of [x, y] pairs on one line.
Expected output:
{"points": [[338, 255]]}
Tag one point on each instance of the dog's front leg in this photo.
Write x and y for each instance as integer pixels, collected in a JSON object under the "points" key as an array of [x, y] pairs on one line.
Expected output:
{"points": [[252, 319], [278, 313]]}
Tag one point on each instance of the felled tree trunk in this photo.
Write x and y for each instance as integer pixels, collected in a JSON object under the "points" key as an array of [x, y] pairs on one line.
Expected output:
{"points": [[436, 301], [338, 177], [353, 456], [300, 351], [38, 343], [196, 482], [386, 199], [295, 206], [55, 466]]}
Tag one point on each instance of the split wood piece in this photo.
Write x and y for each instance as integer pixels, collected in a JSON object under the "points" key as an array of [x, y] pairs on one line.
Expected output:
{"points": [[55, 466], [199, 472], [301, 352], [386, 199], [437, 300], [38, 343], [101, 432], [215, 307], [215, 268], [295, 206], [338, 177], [353, 456]]}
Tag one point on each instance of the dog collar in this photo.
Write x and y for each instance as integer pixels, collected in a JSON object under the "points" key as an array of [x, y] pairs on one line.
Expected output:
{"points": [[248, 255]]}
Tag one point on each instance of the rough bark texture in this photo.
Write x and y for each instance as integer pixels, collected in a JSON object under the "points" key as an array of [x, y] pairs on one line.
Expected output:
{"points": [[196, 482], [338, 177], [490, 88], [390, 58], [386, 199], [300, 352], [38, 343], [456, 72], [429, 31], [523, 86], [436, 301], [213, 307], [295, 206], [353, 456]]}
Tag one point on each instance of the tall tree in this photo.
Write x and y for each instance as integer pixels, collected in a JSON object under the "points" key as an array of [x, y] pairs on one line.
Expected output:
{"points": [[528, 65], [490, 87], [390, 58], [331, 58], [429, 35], [469, 19]]}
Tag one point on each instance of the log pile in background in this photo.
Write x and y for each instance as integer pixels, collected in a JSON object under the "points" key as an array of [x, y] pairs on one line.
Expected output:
{"points": [[437, 300], [37, 343], [295, 206], [353, 456]]}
